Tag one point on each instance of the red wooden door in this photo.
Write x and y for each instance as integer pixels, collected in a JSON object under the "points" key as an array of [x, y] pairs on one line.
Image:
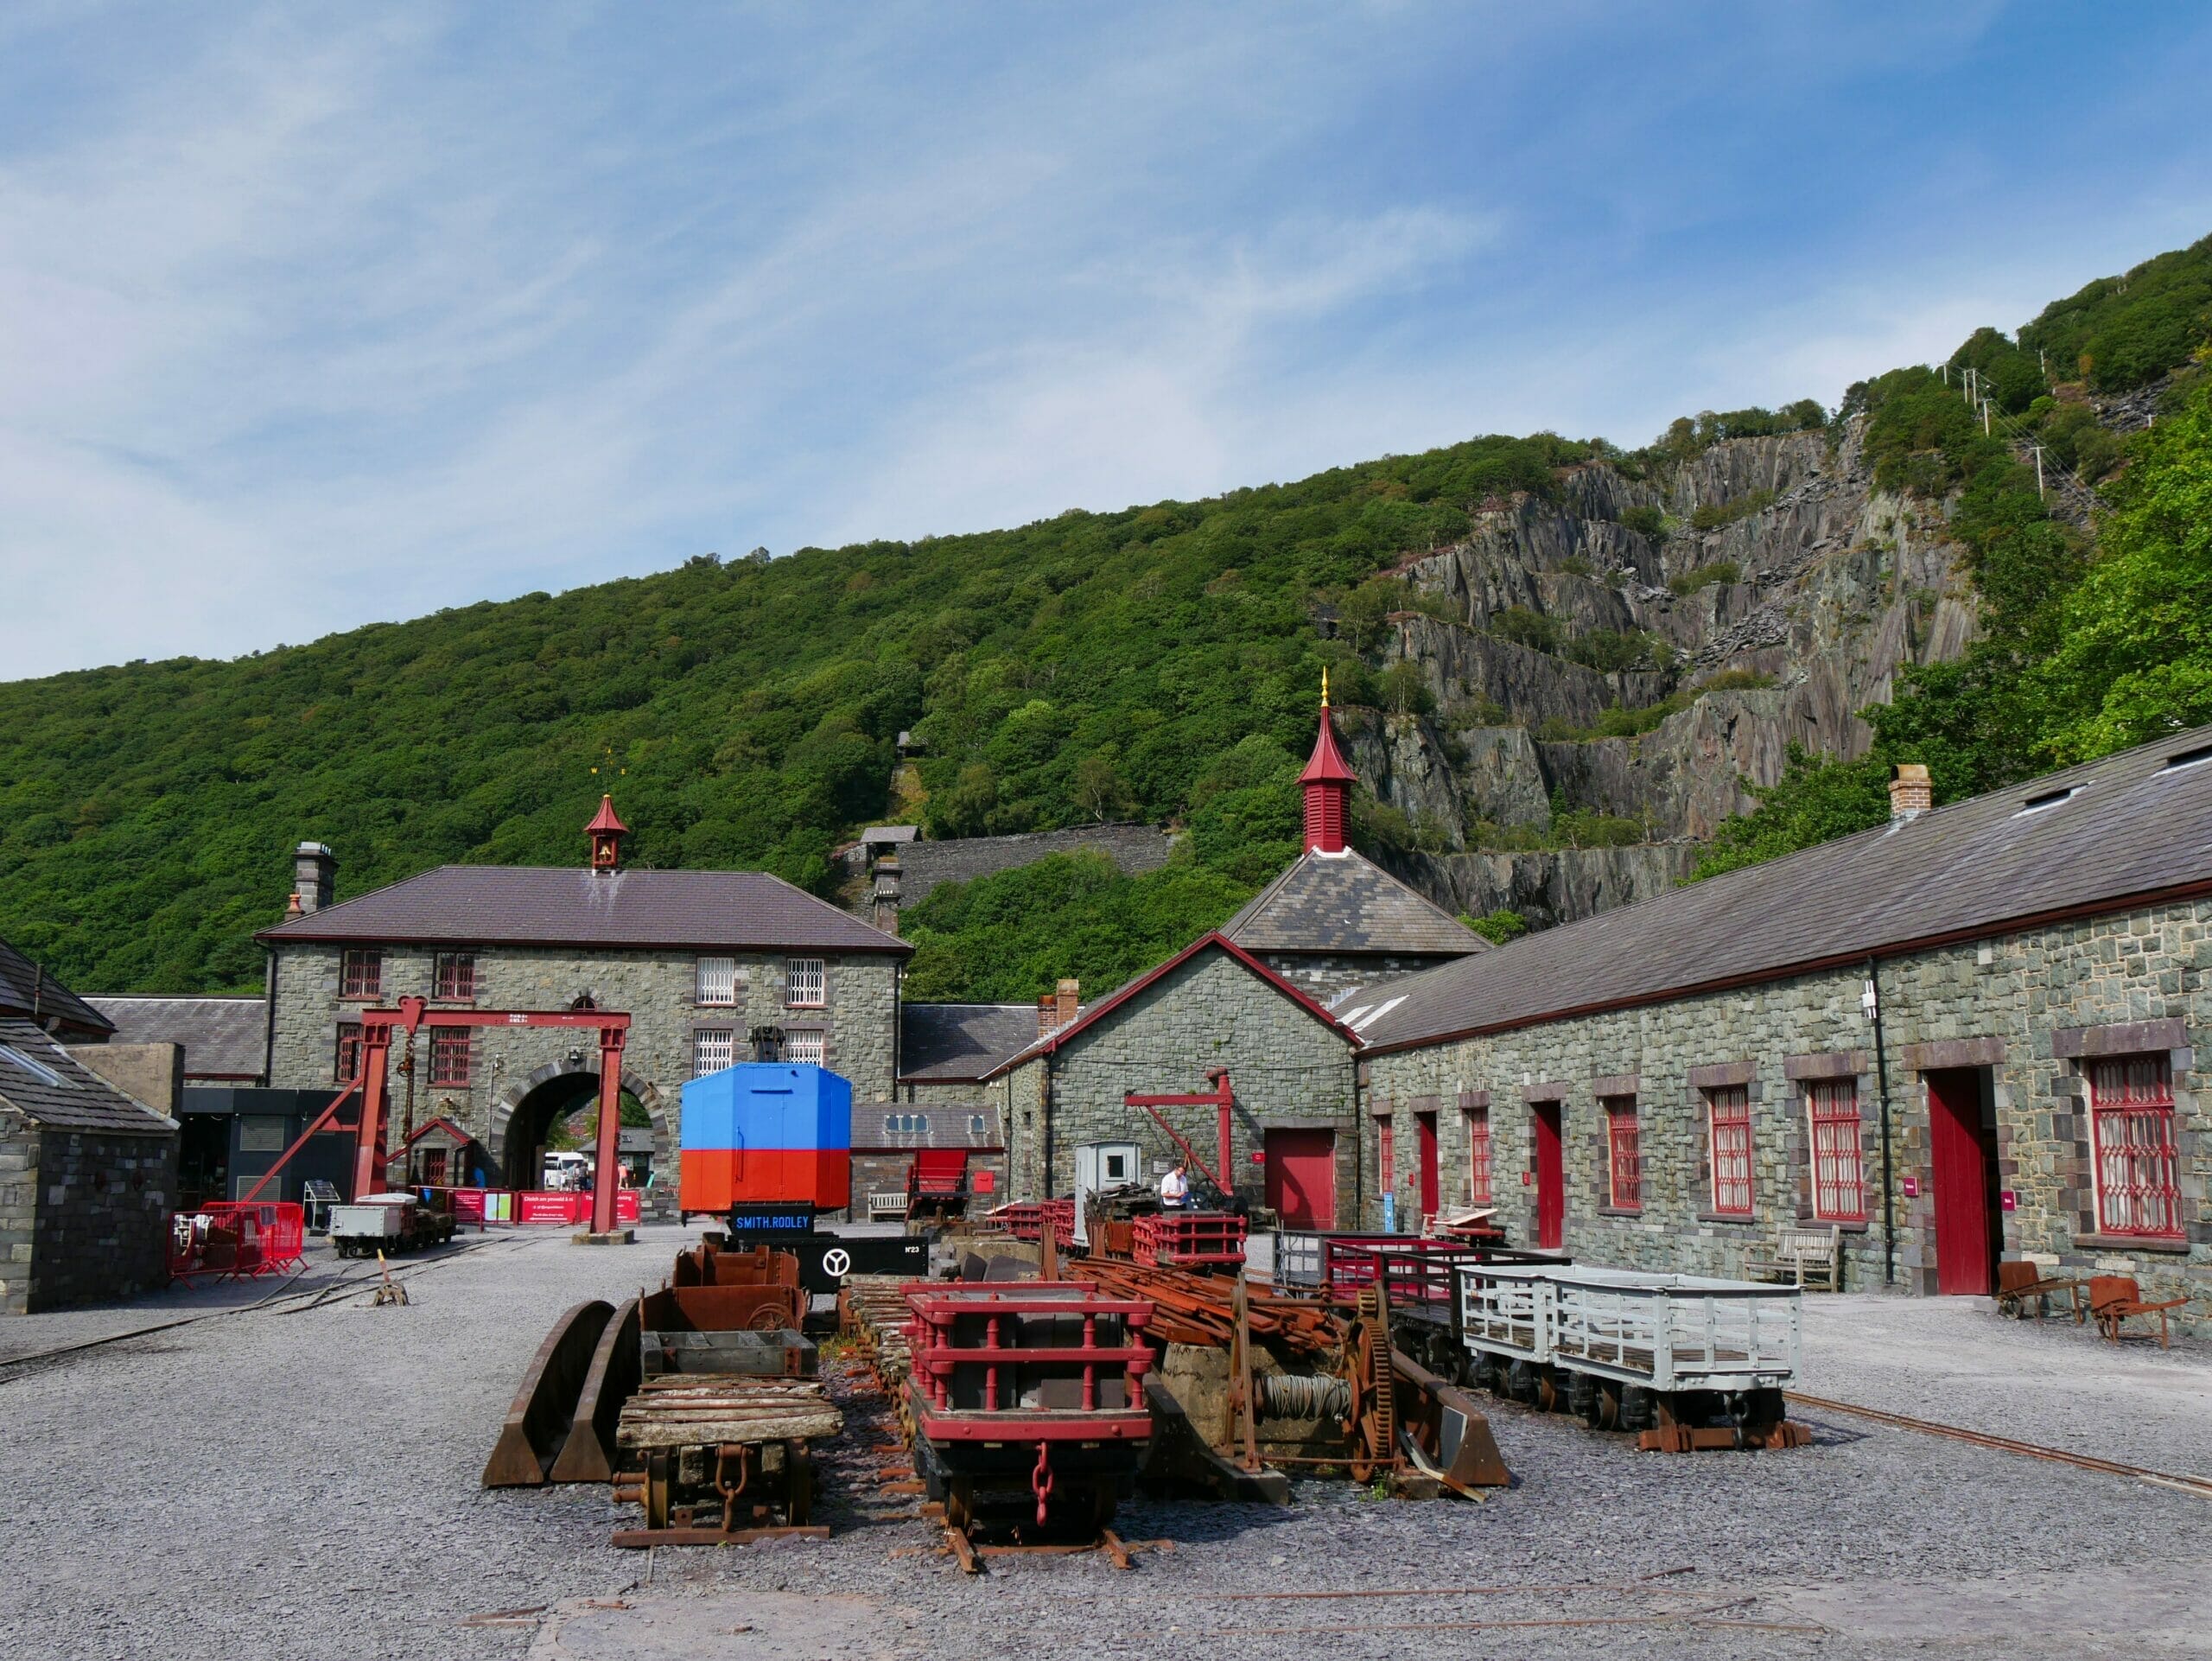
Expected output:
{"points": [[1965, 1260], [1301, 1176], [1551, 1179], [1425, 1128]]}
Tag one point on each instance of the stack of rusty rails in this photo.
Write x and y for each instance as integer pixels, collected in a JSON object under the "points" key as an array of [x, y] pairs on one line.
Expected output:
{"points": [[1188, 1239], [872, 1310], [1028, 1407], [1200, 1309], [722, 1459], [1686, 1361]]}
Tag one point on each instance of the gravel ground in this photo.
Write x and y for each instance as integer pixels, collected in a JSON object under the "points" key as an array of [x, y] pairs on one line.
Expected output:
{"points": [[304, 1484]]}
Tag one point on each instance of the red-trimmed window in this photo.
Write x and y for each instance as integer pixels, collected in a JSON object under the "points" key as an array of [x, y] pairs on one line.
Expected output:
{"points": [[1478, 1156], [1728, 1114], [360, 972], [1839, 1164], [2132, 1127], [347, 1065], [1386, 1153], [1623, 1159], [449, 1055], [454, 977]]}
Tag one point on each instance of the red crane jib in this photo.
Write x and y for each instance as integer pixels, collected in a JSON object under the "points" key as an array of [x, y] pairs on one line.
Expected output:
{"points": [[377, 1028]]}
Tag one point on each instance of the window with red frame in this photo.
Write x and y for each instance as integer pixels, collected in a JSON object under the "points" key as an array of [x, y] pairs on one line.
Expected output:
{"points": [[347, 1066], [1478, 1156], [1386, 1155], [455, 977], [1728, 1113], [1839, 1164], [1623, 1160], [449, 1055], [2131, 1127], [360, 973]]}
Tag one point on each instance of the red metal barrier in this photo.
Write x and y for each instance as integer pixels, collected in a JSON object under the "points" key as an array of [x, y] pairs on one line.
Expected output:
{"points": [[1022, 1218], [559, 1207], [1412, 1269], [1187, 1239], [236, 1239]]}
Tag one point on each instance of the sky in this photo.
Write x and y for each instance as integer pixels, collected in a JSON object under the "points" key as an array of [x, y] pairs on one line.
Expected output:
{"points": [[312, 316]]}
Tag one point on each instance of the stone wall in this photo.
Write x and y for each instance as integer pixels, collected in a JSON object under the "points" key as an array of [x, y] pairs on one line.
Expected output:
{"points": [[149, 1074], [657, 990], [1133, 847], [2034, 1007], [1321, 975], [84, 1217], [1285, 1067]]}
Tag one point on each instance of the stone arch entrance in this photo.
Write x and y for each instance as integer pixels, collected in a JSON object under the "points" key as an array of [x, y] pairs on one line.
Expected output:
{"points": [[526, 1110]]}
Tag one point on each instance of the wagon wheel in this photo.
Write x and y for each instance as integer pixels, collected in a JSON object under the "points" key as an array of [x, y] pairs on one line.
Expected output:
{"points": [[656, 1489], [768, 1318]]}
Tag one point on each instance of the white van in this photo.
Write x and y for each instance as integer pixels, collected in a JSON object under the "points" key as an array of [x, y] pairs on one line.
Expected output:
{"points": [[566, 1171]]}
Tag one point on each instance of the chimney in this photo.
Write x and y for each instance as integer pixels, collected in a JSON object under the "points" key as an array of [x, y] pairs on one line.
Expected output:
{"points": [[315, 878], [1047, 1015], [1911, 794], [886, 893], [1067, 999]]}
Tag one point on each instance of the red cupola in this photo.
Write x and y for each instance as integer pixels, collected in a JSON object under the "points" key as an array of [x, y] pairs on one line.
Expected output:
{"points": [[606, 832], [1328, 782]]}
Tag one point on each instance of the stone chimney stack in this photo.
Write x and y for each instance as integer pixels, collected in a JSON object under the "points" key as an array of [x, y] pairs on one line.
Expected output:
{"points": [[886, 893], [1067, 996], [1911, 793], [315, 878]]}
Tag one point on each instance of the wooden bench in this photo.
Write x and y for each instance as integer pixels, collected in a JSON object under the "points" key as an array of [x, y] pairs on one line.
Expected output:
{"points": [[2023, 1290], [2117, 1298], [882, 1206], [1806, 1255]]}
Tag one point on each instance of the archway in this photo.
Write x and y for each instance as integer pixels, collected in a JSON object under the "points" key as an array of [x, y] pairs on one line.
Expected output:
{"points": [[526, 1111]]}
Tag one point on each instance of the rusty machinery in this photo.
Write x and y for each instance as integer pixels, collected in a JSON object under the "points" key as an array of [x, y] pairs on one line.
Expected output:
{"points": [[377, 1026]]}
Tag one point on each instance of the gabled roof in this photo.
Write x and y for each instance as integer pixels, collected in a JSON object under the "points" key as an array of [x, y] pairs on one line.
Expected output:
{"points": [[956, 1042], [24, 988], [532, 905], [441, 1122], [1213, 941], [49, 1087], [1344, 903], [223, 1037], [2130, 830]]}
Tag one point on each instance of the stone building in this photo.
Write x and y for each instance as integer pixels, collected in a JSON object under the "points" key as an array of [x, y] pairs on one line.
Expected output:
{"points": [[1969, 1034], [707, 964], [87, 1176]]}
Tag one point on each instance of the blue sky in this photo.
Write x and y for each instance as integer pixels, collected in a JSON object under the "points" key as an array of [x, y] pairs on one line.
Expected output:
{"points": [[312, 316]]}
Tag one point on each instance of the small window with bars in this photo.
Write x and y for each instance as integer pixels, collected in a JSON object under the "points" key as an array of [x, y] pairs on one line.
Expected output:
{"points": [[454, 977], [346, 1065], [1624, 1156], [1478, 1156], [805, 982], [360, 972], [2138, 1167], [1728, 1120], [449, 1055], [1839, 1162], [712, 1049], [717, 980], [807, 1044]]}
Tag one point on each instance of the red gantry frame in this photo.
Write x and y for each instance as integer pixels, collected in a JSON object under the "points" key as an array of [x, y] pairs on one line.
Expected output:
{"points": [[1218, 1098], [377, 1026]]}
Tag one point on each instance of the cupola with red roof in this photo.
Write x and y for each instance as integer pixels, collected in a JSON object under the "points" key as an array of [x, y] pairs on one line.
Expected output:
{"points": [[1328, 782], [606, 831]]}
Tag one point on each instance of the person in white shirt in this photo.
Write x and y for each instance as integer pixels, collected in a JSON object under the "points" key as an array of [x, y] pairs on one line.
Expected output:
{"points": [[1175, 1188]]}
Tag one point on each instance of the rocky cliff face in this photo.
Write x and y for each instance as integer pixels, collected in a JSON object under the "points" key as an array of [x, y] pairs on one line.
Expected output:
{"points": [[1836, 586]]}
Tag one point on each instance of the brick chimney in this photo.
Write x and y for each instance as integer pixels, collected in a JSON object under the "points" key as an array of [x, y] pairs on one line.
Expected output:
{"points": [[315, 878], [886, 893], [1056, 1009], [1911, 793]]}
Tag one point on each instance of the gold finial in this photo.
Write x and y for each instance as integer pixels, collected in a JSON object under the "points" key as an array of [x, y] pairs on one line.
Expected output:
{"points": [[1325, 686]]}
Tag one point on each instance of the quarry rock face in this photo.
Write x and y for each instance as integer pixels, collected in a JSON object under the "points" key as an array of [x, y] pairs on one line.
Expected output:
{"points": [[1835, 588]]}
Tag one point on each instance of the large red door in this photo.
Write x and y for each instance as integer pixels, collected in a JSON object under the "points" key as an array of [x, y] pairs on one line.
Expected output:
{"points": [[1424, 1129], [1301, 1176], [1964, 1254], [1551, 1179]]}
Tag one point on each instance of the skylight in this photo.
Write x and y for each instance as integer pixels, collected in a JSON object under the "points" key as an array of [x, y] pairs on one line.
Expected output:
{"points": [[31, 1065], [2051, 798], [2190, 758]]}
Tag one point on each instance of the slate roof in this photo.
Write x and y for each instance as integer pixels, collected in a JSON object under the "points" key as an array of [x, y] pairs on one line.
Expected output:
{"points": [[79, 1101], [23, 989], [2096, 838], [531, 905], [1345, 904], [223, 1037], [952, 1042]]}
